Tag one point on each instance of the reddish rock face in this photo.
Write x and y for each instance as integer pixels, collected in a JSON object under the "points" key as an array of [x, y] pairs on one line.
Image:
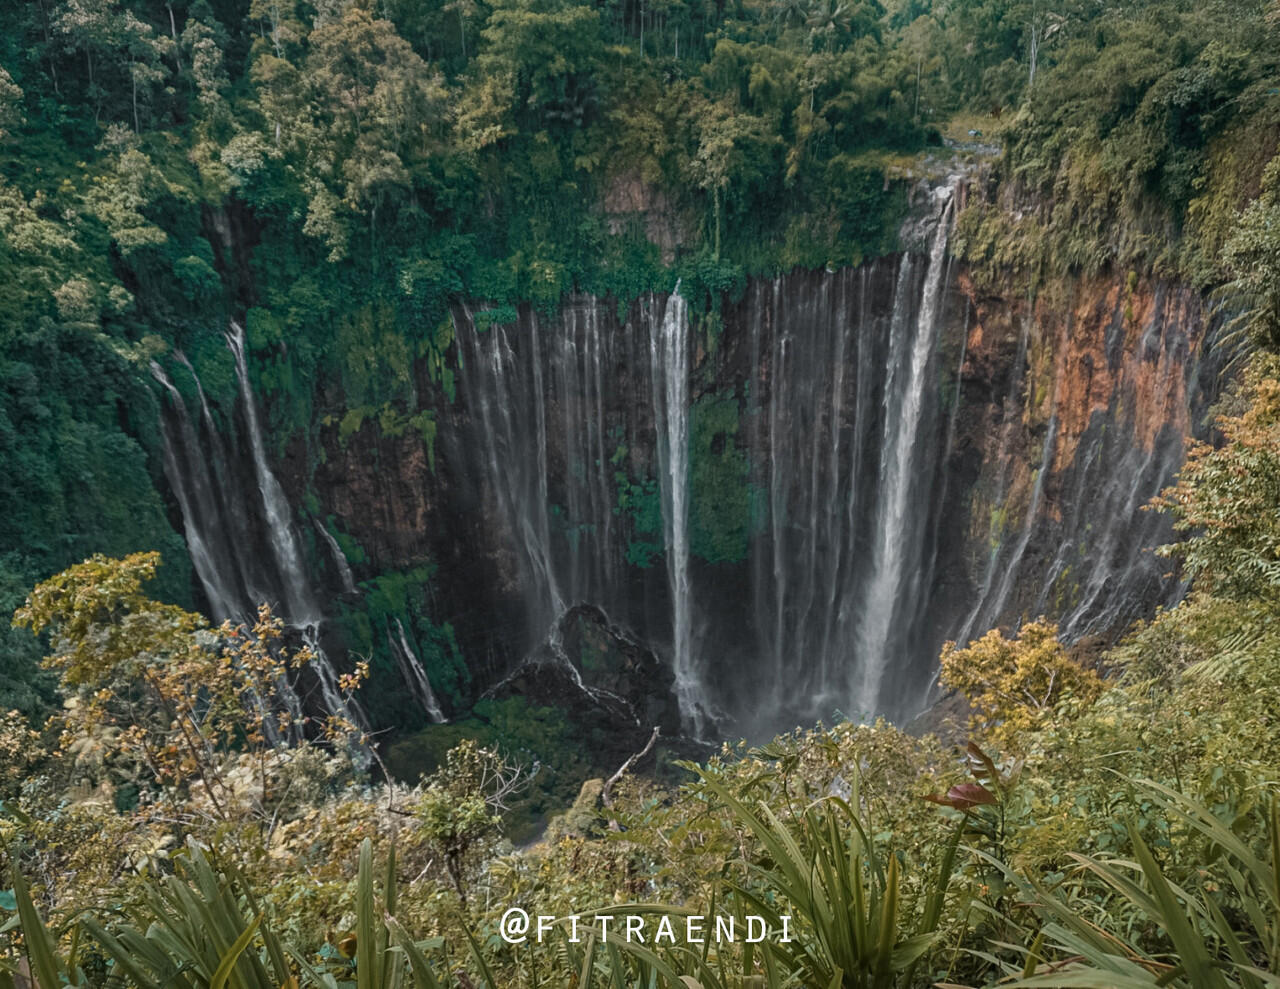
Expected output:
{"points": [[1114, 378], [1094, 343]]}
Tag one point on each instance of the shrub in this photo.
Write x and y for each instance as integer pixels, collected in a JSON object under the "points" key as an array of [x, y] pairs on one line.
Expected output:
{"points": [[1013, 683]]}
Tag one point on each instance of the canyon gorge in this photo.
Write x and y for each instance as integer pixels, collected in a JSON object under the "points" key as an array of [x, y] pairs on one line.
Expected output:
{"points": [[792, 496]]}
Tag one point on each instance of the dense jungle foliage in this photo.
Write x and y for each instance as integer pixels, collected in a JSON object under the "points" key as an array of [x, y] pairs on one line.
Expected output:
{"points": [[337, 173]]}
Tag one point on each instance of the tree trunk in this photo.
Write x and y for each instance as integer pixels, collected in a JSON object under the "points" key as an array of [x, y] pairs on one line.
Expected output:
{"points": [[453, 863], [919, 66]]}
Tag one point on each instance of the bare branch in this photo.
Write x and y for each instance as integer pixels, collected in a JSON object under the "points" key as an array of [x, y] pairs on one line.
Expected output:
{"points": [[606, 795]]}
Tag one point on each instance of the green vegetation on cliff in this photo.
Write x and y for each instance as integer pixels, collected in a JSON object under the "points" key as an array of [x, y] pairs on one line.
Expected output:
{"points": [[1145, 132]]}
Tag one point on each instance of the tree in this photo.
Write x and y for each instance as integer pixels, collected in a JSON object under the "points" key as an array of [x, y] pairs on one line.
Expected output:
{"points": [[377, 108], [728, 142], [114, 41], [19, 751], [153, 686], [120, 196], [552, 48], [1227, 498], [460, 804], [282, 22], [10, 104], [1252, 255], [789, 12], [281, 99], [922, 39], [205, 44], [1011, 683]]}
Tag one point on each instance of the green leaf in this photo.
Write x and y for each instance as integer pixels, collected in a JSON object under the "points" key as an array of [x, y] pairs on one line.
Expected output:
{"points": [[229, 959], [41, 949], [423, 976]]}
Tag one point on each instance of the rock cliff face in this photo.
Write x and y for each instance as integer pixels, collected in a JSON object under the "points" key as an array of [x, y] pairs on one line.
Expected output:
{"points": [[794, 499], [1066, 442], [613, 688]]}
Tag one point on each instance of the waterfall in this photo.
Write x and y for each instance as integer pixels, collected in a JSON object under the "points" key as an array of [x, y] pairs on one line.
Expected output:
{"points": [[669, 352], [192, 488], [214, 551], [304, 613], [301, 606], [330, 691], [834, 443], [508, 394], [228, 498], [844, 428], [415, 676], [867, 493], [896, 550], [544, 452], [339, 558], [229, 512]]}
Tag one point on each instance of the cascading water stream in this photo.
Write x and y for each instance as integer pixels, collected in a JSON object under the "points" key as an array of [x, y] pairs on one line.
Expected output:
{"points": [[414, 674], [1087, 553], [226, 514], [841, 443], [845, 464], [669, 351], [191, 489], [995, 594], [302, 608], [508, 397], [339, 558], [896, 549], [227, 500], [194, 488], [330, 691]]}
